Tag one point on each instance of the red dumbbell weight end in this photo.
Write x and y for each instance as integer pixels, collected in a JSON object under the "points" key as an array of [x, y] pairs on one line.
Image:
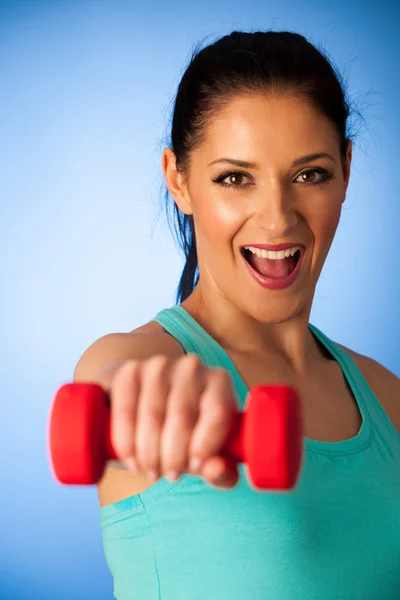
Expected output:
{"points": [[268, 436]]}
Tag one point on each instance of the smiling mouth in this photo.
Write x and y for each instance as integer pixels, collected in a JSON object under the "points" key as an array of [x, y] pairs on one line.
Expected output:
{"points": [[272, 268]]}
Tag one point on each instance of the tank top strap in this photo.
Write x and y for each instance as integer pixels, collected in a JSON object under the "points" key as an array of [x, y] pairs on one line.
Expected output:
{"points": [[194, 339], [350, 369], [369, 404]]}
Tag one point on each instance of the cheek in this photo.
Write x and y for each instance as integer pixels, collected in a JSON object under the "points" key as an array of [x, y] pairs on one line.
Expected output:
{"points": [[327, 223], [323, 223], [216, 216], [327, 226]]}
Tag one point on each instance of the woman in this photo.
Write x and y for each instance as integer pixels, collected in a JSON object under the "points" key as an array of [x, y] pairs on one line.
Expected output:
{"points": [[259, 157]]}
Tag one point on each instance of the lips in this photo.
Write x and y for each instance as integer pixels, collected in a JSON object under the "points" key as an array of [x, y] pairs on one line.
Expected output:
{"points": [[269, 282], [275, 247]]}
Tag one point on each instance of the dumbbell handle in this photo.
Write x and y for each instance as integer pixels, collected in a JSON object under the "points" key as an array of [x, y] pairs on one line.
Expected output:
{"points": [[267, 436], [233, 447]]}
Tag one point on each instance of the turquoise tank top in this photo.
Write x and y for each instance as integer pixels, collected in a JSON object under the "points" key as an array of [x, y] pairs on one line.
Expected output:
{"points": [[335, 536]]}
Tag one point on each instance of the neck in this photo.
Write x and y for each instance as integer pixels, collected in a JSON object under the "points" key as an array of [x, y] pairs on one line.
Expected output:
{"points": [[289, 343]]}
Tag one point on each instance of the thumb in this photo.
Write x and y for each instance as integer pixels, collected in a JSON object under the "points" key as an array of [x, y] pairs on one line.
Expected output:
{"points": [[220, 472]]}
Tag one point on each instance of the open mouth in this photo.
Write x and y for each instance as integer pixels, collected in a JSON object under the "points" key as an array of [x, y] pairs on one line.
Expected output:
{"points": [[272, 268]]}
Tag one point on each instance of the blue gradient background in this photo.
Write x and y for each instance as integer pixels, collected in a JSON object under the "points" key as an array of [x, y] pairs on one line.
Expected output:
{"points": [[85, 95]]}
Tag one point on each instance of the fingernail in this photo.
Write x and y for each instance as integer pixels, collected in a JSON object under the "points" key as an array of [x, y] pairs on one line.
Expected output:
{"points": [[131, 464], [194, 465], [222, 478], [172, 475], [152, 474]]}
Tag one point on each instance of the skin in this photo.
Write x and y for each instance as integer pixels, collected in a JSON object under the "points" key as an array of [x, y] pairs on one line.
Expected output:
{"points": [[244, 318], [273, 203]]}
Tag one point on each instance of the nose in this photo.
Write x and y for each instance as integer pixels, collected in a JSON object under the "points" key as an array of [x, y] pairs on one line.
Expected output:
{"points": [[276, 213]]}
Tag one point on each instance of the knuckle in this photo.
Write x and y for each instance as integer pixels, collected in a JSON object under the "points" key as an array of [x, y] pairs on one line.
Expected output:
{"points": [[191, 360], [219, 412], [124, 373], [221, 383], [157, 364], [154, 416], [130, 365], [189, 364], [185, 417], [122, 407], [220, 375]]}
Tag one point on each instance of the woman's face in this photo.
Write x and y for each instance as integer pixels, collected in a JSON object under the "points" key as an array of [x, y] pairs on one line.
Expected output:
{"points": [[273, 202]]}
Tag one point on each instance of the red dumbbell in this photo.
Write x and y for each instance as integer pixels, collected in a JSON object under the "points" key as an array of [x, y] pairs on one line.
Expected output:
{"points": [[268, 436]]}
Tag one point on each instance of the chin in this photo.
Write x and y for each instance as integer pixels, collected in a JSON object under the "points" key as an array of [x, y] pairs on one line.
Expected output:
{"points": [[270, 313]]}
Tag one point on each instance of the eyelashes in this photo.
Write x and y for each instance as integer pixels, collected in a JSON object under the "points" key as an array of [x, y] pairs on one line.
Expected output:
{"points": [[325, 177]]}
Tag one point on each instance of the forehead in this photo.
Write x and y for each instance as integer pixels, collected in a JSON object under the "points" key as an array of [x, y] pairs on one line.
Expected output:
{"points": [[270, 124]]}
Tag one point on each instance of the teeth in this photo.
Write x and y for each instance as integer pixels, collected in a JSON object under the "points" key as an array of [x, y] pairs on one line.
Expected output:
{"points": [[273, 254]]}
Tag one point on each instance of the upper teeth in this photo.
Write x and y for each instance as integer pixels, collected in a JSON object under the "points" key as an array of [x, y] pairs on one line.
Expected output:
{"points": [[273, 254]]}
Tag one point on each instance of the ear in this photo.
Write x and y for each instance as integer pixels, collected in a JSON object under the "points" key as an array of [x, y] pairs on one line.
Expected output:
{"points": [[175, 182], [349, 156]]}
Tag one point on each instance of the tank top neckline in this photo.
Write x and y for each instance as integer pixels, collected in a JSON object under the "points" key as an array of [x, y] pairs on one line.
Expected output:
{"points": [[350, 371]]}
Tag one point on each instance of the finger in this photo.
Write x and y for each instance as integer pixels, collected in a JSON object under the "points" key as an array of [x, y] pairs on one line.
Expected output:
{"points": [[187, 384], [218, 409], [155, 384], [221, 472], [124, 393]]}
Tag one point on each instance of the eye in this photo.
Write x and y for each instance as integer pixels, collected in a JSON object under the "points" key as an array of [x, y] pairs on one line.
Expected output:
{"points": [[323, 176], [238, 176], [318, 177]]}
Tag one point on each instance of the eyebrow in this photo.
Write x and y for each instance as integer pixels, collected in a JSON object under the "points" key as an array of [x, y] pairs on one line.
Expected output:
{"points": [[251, 165]]}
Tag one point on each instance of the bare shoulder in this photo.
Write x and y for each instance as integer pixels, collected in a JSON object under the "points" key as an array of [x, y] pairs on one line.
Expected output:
{"points": [[141, 343], [384, 383], [375, 371]]}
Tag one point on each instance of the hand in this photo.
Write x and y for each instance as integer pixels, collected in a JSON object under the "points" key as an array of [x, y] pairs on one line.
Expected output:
{"points": [[173, 416]]}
